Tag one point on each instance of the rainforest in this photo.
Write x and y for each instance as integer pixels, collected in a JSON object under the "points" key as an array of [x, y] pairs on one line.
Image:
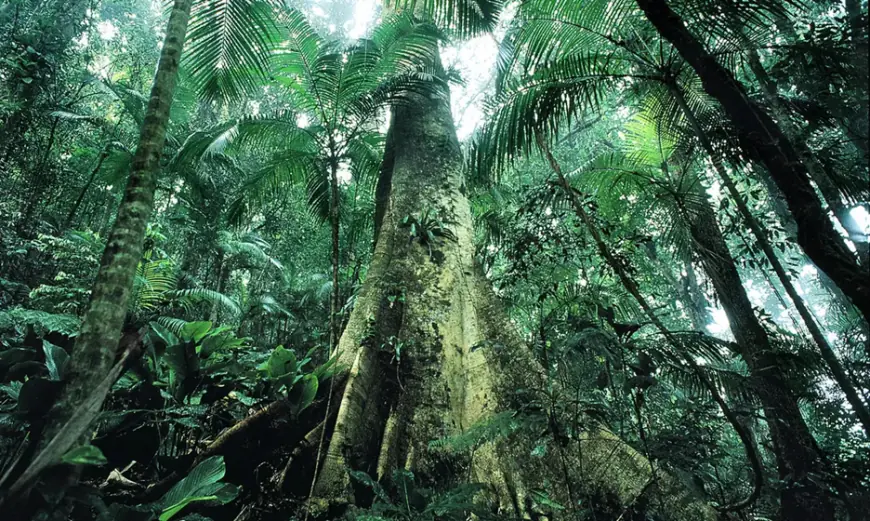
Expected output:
{"points": [[434, 260]]}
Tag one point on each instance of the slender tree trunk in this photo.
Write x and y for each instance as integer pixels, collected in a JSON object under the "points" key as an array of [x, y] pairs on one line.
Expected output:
{"points": [[41, 183], [695, 308], [335, 296], [699, 300], [797, 455], [631, 286], [759, 134], [104, 154], [422, 348], [96, 346], [222, 272], [780, 209], [828, 354]]}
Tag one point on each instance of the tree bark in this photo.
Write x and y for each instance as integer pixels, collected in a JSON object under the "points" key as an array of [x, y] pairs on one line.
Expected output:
{"points": [[430, 352], [759, 134], [96, 346], [698, 299]]}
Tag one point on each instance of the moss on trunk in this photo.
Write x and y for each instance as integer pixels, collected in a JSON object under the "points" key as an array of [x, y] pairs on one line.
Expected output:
{"points": [[421, 349], [97, 344]]}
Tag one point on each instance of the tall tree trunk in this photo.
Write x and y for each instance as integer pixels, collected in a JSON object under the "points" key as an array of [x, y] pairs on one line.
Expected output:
{"points": [[631, 286], [335, 296], [222, 272], [797, 455], [759, 134], [96, 347], [694, 305], [430, 352], [780, 209], [41, 184], [698, 299], [828, 354]]}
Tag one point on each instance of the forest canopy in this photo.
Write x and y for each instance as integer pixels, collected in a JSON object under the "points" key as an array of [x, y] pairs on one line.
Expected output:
{"points": [[434, 260]]}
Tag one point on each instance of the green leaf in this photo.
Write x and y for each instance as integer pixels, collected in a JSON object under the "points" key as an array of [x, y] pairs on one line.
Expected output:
{"points": [[170, 512], [228, 46], [195, 331], [202, 484], [282, 363], [85, 455], [162, 333], [306, 392], [55, 360], [12, 389], [220, 493], [367, 480], [543, 499], [325, 371]]}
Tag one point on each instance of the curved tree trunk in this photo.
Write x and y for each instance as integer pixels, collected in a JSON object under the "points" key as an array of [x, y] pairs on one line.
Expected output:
{"points": [[796, 451], [430, 353], [759, 134], [96, 347], [828, 354]]}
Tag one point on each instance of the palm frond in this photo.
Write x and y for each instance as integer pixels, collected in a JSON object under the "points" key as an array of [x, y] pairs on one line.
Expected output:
{"points": [[152, 284], [229, 44], [466, 18], [542, 102], [188, 298]]}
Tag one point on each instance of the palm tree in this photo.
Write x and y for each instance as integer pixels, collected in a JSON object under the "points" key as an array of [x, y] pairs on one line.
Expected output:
{"points": [[818, 336], [678, 193], [683, 357], [340, 92], [93, 366], [337, 95]]}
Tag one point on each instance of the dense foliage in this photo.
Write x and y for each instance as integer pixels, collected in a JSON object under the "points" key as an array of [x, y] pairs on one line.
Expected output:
{"points": [[671, 199]]}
